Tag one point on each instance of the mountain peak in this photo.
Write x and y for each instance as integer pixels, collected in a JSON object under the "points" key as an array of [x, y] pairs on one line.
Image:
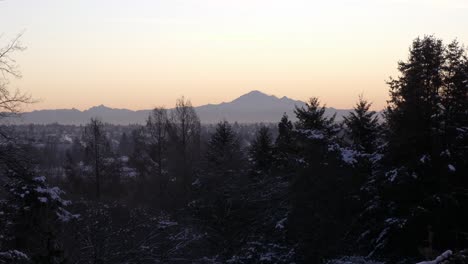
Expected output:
{"points": [[254, 96], [256, 92], [99, 108]]}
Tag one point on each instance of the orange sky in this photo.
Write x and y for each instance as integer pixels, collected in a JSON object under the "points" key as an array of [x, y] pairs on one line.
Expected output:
{"points": [[141, 54]]}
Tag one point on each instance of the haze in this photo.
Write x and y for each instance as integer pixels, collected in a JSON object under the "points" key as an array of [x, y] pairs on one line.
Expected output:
{"points": [[139, 54]]}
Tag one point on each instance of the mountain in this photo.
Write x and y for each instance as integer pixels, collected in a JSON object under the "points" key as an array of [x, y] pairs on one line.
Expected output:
{"points": [[252, 107]]}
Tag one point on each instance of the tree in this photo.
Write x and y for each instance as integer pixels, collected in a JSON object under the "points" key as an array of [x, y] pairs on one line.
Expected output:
{"points": [[223, 153], [184, 133], [32, 216], [31, 211], [312, 116], [421, 185], [125, 146], [455, 99], [10, 102], [261, 149], [156, 125], [413, 113], [362, 126], [284, 144], [96, 146]]}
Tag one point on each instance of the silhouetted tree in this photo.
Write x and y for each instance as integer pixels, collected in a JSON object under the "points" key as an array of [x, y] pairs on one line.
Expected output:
{"points": [[312, 116], [261, 150], [31, 212], [362, 125], [418, 190], [223, 153], [156, 126], [455, 99], [284, 144], [413, 112], [97, 146], [10, 102], [184, 134]]}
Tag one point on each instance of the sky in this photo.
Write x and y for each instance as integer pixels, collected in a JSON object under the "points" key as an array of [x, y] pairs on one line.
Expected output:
{"points": [[145, 53]]}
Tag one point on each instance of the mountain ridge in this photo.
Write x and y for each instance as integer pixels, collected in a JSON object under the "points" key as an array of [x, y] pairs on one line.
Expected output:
{"points": [[252, 107]]}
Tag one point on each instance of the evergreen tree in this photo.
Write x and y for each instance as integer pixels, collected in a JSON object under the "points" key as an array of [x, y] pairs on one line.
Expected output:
{"points": [[32, 213], [124, 145], [223, 153], [419, 191], [285, 148], [261, 150], [455, 99], [362, 126], [413, 113], [322, 189], [312, 116], [284, 140]]}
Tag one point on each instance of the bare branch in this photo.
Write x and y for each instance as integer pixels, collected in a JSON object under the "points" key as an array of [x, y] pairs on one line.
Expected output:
{"points": [[8, 64], [11, 102]]}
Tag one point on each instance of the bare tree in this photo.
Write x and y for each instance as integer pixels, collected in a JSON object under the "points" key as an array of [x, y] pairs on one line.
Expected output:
{"points": [[157, 127], [95, 141], [10, 102], [184, 130]]}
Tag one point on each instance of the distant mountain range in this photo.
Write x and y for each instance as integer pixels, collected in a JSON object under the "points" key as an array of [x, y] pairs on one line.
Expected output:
{"points": [[252, 107]]}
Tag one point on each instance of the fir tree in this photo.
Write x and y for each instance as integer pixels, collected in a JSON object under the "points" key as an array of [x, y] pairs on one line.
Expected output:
{"points": [[223, 151], [261, 150], [413, 112], [312, 116], [284, 144], [418, 190], [124, 145], [362, 125]]}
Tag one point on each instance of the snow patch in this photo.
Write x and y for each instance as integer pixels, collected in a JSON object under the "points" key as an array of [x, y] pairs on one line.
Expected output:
{"points": [[352, 260], [312, 133], [54, 194], [65, 216], [280, 223], [391, 175], [424, 159], [452, 168], [348, 156], [447, 254], [39, 179], [13, 255]]}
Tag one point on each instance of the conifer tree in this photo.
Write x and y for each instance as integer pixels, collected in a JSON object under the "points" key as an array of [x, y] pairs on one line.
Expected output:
{"points": [[32, 213], [419, 188], [285, 133], [223, 153], [413, 113], [261, 149], [284, 144], [362, 125], [312, 116], [124, 145], [455, 96]]}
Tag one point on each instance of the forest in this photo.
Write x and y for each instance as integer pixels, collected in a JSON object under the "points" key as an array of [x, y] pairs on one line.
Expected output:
{"points": [[378, 187]]}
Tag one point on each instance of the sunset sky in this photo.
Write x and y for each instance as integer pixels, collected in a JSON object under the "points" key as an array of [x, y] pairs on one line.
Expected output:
{"points": [[145, 53]]}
